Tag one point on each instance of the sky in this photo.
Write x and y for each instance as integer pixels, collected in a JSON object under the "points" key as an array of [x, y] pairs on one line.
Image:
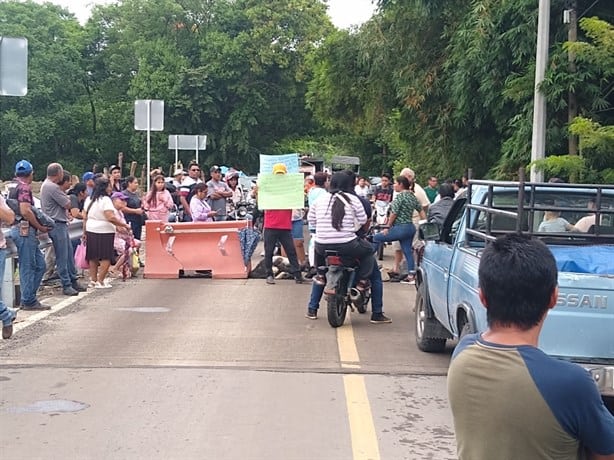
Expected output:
{"points": [[344, 13]]}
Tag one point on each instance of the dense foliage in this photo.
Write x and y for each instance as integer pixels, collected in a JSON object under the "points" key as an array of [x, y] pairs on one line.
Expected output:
{"points": [[439, 85]]}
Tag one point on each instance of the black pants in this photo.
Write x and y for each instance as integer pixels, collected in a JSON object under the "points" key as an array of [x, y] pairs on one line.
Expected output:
{"points": [[271, 237], [356, 249]]}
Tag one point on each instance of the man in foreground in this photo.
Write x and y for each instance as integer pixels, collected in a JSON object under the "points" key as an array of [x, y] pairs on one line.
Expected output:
{"points": [[508, 398]]}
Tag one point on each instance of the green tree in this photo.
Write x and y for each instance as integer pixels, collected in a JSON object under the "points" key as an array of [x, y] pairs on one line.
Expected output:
{"points": [[44, 125]]}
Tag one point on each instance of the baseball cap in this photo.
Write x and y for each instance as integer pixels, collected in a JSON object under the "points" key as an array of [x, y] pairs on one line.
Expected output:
{"points": [[215, 168], [279, 168], [23, 166], [88, 176], [119, 196], [113, 168], [178, 172]]}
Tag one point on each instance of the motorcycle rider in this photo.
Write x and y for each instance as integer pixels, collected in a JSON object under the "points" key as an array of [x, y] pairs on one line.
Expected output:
{"points": [[346, 185], [232, 179]]}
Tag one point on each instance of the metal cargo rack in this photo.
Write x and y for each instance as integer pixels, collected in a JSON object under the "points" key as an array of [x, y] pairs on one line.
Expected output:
{"points": [[522, 214]]}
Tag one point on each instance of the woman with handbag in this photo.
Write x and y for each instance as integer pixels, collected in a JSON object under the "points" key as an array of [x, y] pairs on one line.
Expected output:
{"points": [[99, 226]]}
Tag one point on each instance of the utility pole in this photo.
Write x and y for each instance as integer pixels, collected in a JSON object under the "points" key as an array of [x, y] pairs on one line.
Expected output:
{"points": [[538, 141], [570, 17]]}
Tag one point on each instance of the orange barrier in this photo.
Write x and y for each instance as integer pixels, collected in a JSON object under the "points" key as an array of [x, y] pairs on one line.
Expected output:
{"points": [[174, 246]]}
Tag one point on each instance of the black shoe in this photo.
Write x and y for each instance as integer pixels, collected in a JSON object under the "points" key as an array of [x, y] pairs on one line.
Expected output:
{"points": [[299, 279], [35, 307], [77, 287], [69, 291], [380, 318], [312, 313], [270, 280], [7, 330]]}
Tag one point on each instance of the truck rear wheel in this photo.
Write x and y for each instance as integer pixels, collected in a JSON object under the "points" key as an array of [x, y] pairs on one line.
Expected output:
{"points": [[425, 326], [465, 327]]}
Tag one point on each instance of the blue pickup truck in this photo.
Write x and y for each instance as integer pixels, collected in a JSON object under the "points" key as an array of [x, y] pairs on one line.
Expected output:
{"points": [[581, 327]]}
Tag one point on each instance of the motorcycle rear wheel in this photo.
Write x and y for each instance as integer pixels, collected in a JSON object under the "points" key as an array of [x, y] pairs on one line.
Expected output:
{"points": [[336, 309]]}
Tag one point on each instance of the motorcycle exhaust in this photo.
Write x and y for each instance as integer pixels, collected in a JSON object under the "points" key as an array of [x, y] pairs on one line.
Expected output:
{"points": [[356, 298]]}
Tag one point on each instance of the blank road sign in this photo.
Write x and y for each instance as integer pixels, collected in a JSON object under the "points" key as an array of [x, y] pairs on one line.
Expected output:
{"points": [[13, 66], [187, 142], [156, 115]]}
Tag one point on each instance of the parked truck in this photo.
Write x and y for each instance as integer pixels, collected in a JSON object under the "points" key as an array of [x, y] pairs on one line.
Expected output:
{"points": [[581, 326]]}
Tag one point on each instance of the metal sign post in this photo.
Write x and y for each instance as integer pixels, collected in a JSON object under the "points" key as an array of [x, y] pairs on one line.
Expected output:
{"points": [[538, 140], [186, 142], [149, 116], [13, 66]]}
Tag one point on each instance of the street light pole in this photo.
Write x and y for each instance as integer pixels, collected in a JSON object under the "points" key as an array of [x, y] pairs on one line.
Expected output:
{"points": [[538, 142]]}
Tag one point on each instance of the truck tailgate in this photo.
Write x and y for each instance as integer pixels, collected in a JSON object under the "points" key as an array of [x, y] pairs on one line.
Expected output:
{"points": [[581, 326]]}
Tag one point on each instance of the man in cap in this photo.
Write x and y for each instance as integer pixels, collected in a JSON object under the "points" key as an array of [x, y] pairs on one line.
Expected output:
{"points": [[7, 315], [56, 203], [23, 234], [186, 189], [88, 180], [218, 193], [178, 177], [278, 228]]}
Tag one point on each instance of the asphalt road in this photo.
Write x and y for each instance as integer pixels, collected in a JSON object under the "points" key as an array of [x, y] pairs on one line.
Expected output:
{"points": [[219, 369]]}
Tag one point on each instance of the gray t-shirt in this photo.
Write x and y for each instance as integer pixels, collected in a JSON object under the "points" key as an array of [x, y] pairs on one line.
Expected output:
{"points": [[54, 201], [553, 225], [218, 205]]}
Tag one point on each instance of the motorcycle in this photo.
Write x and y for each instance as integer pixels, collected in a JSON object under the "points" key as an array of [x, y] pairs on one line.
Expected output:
{"points": [[242, 209], [340, 291], [380, 221]]}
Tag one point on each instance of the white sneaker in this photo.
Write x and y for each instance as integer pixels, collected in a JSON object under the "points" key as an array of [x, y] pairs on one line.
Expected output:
{"points": [[97, 285], [91, 284], [107, 282]]}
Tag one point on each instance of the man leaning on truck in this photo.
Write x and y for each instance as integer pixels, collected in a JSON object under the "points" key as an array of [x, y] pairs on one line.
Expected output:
{"points": [[510, 400]]}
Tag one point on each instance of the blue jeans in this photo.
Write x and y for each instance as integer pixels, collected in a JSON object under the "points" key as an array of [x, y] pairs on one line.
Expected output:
{"points": [[31, 264], [404, 234], [377, 293], [64, 256], [7, 315]]}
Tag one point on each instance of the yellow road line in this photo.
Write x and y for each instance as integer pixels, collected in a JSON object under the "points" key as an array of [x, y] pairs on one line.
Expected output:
{"points": [[348, 353], [362, 428]]}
